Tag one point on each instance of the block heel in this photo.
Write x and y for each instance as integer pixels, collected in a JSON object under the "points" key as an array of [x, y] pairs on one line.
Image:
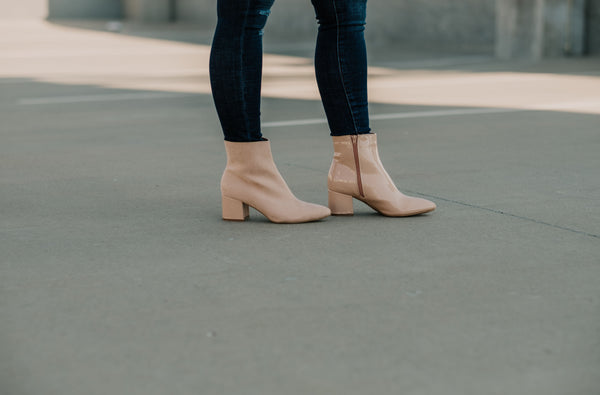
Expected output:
{"points": [[234, 210], [340, 204]]}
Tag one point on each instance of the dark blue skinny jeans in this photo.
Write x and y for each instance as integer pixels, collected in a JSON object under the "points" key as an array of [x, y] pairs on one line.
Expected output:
{"points": [[340, 65]]}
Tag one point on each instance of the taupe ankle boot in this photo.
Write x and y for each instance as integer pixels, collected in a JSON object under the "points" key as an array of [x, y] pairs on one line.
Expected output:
{"points": [[252, 179], [357, 172]]}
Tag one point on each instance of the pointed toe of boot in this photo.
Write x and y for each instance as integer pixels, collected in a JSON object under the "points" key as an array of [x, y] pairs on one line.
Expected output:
{"points": [[301, 212], [319, 212], [404, 206], [418, 206]]}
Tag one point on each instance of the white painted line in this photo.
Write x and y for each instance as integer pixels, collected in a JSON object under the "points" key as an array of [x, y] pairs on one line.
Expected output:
{"points": [[14, 80], [443, 113], [298, 122], [97, 98], [399, 115]]}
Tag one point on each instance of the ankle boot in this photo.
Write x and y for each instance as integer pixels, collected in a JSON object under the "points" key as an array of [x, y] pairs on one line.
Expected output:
{"points": [[252, 179], [357, 172]]}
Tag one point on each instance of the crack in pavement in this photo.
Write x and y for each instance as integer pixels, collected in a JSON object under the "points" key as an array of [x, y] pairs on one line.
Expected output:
{"points": [[501, 212]]}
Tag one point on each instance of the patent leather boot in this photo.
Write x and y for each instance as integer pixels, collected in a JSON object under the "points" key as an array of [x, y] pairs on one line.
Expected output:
{"points": [[357, 173]]}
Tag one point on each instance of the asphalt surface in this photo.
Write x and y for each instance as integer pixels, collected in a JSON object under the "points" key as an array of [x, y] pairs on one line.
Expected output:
{"points": [[118, 276]]}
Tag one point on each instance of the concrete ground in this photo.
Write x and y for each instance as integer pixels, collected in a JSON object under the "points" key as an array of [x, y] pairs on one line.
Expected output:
{"points": [[118, 276]]}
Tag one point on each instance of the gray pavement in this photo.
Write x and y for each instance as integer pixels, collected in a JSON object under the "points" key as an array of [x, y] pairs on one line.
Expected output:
{"points": [[118, 276]]}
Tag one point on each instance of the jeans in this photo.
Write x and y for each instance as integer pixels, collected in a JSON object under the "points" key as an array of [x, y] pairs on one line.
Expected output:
{"points": [[340, 66]]}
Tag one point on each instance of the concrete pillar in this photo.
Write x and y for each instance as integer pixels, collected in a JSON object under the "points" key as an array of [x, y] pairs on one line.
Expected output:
{"points": [[533, 29], [593, 27], [149, 10]]}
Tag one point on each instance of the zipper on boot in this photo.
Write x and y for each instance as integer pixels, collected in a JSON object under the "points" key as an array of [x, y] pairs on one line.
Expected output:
{"points": [[354, 139]]}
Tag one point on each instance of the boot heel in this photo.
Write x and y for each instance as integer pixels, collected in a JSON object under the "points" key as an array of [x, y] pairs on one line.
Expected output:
{"points": [[234, 210], [340, 204]]}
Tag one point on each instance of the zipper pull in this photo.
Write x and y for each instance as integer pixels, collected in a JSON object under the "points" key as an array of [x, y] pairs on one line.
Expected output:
{"points": [[354, 139]]}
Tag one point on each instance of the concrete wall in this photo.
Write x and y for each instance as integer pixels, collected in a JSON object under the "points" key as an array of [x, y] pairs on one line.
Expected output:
{"points": [[84, 9], [535, 29], [148, 10], [460, 25], [509, 28], [202, 11], [464, 24]]}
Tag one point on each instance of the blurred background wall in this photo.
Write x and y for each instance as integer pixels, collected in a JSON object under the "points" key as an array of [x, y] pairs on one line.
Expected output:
{"points": [[507, 28], [85, 8]]}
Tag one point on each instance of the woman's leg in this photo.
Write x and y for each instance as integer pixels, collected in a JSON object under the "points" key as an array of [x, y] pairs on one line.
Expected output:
{"points": [[236, 66], [356, 171], [251, 178], [341, 64]]}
